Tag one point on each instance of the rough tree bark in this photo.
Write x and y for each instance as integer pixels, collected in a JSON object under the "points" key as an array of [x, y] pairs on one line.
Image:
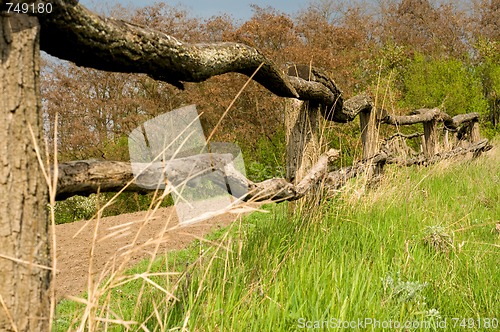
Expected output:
{"points": [[24, 276]]}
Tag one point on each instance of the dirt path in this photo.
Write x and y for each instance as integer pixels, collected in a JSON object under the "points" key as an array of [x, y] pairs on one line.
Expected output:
{"points": [[114, 238]]}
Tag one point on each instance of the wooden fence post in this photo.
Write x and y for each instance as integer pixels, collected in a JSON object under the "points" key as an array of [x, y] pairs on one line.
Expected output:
{"points": [[430, 138], [473, 132], [302, 141], [368, 126]]}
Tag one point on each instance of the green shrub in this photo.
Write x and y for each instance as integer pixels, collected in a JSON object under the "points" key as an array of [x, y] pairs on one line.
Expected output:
{"points": [[80, 207], [448, 83], [76, 208], [267, 160]]}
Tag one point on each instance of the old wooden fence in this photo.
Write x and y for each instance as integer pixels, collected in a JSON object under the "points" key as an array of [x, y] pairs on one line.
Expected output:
{"points": [[442, 137]]}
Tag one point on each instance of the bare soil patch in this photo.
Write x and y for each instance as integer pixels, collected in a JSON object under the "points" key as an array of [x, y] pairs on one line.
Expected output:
{"points": [[121, 237]]}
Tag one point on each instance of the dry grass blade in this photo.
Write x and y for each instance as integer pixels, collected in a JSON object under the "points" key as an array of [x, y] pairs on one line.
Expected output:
{"points": [[51, 180], [17, 260]]}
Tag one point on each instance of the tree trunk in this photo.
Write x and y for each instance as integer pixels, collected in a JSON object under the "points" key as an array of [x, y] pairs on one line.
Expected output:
{"points": [[302, 142], [25, 259]]}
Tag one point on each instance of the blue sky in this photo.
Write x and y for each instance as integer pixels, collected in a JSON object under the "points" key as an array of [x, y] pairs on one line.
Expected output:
{"points": [[239, 9]]}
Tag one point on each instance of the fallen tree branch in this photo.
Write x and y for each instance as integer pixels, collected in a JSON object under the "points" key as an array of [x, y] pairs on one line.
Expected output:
{"points": [[336, 179], [85, 177], [90, 176], [407, 136], [475, 148]]}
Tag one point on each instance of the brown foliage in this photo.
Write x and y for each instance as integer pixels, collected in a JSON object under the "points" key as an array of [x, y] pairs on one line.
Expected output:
{"points": [[424, 27], [98, 109], [487, 24]]}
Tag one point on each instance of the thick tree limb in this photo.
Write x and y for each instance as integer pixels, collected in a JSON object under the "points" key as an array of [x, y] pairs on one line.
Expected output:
{"points": [[353, 106], [313, 91], [317, 86], [457, 120], [71, 32], [85, 177], [88, 176], [423, 115]]}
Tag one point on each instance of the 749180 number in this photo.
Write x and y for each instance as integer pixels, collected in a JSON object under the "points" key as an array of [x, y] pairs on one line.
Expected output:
{"points": [[29, 8], [476, 323]]}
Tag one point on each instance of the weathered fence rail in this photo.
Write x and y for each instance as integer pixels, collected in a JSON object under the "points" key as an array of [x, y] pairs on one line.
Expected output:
{"points": [[306, 168]]}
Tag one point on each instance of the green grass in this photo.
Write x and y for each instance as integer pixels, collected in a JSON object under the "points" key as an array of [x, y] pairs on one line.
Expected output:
{"points": [[422, 246]]}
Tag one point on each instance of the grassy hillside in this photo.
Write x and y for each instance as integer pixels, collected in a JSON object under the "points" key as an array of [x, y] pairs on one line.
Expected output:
{"points": [[421, 248]]}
